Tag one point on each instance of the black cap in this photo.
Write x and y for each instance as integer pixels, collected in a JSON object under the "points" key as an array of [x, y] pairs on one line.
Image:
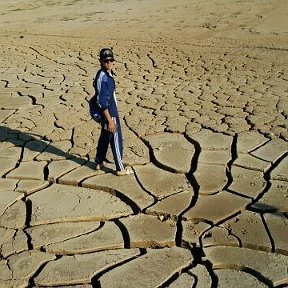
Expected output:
{"points": [[106, 53]]}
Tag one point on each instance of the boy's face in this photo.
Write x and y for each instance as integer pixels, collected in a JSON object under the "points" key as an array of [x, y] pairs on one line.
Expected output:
{"points": [[108, 63]]}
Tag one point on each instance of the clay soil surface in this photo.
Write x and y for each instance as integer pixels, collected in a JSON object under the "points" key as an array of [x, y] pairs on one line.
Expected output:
{"points": [[202, 90]]}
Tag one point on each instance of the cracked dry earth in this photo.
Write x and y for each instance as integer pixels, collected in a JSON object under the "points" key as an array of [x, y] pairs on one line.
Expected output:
{"points": [[206, 134]]}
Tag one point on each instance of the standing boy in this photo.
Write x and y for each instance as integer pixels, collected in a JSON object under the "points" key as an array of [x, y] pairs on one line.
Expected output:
{"points": [[104, 85]]}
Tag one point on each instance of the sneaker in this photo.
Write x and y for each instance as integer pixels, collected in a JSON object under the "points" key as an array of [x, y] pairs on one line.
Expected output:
{"points": [[126, 171], [99, 166]]}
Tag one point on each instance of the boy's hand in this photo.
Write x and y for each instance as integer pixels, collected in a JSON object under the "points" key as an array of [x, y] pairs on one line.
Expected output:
{"points": [[111, 126]]}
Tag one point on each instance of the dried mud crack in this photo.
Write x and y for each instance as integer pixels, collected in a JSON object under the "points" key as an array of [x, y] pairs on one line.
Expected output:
{"points": [[205, 130]]}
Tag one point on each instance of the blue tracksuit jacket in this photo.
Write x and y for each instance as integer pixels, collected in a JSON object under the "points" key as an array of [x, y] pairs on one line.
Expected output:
{"points": [[104, 85]]}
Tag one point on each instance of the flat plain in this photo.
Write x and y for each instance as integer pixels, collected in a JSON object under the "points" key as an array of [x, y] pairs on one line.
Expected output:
{"points": [[203, 97]]}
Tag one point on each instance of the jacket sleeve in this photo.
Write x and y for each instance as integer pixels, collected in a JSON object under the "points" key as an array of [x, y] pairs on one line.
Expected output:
{"points": [[102, 91]]}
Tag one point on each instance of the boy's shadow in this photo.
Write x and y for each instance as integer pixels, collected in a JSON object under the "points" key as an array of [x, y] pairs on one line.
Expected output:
{"points": [[29, 141]]}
